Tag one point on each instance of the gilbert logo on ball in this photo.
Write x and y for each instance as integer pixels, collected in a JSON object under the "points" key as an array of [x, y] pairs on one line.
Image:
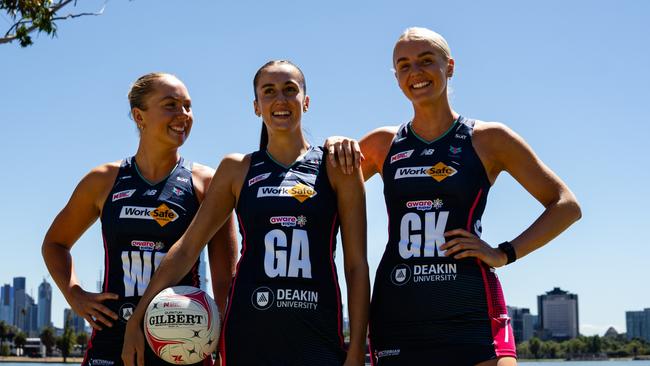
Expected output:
{"points": [[182, 325]]}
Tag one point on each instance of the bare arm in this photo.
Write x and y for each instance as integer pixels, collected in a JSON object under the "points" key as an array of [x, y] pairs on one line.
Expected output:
{"points": [[501, 149], [222, 248], [369, 153], [352, 214], [212, 214], [81, 211]]}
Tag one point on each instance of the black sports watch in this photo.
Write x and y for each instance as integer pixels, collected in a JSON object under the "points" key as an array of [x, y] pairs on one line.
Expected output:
{"points": [[507, 248]]}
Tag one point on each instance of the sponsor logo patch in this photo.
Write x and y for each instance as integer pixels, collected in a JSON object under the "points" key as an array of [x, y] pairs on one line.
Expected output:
{"points": [[258, 178], [262, 298], [126, 311], [400, 275], [388, 352], [150, 192], [427, 152], [147, 245], [289, 221], [162, 214], [183, 179], [100, 362], [401, 155], [300, 192], [123, 194], [421, 205], [461, 137], [439, 172]]}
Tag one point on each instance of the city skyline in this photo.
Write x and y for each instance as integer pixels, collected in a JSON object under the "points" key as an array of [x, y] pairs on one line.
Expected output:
{"points": [[525, 324]]}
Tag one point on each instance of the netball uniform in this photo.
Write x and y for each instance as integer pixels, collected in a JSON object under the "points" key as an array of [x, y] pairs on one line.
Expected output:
{"points": [[427, 306], [285, 307], [140, 222]]}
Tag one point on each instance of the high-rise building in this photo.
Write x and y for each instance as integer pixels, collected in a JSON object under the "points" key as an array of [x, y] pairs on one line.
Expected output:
{"points": [[638, 324], [44, 305], [20, 303], [31, 317], [77, 323], [529, 324], [7, 304], [516, 320], [558, 314], [523, 323]]}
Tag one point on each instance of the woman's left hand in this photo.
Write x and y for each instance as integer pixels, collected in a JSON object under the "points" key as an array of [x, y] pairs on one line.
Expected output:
{"points": [[467, 245], [133, 347]]}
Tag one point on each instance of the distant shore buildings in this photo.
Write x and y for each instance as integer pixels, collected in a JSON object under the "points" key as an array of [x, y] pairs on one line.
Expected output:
{"points": [[638, 324]]}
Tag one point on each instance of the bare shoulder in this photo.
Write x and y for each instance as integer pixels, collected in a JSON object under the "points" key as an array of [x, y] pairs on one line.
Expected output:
{"points": [[495, 135], [381, 135], [232, 171], [101, 177], [95, 186], [201, 178], [200, 171], [375, 146]]}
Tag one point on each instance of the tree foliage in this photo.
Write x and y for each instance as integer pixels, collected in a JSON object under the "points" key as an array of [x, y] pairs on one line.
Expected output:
{"points": [[20, 339], [583, 348], [49, 339], [38, 16], [65, 342]]}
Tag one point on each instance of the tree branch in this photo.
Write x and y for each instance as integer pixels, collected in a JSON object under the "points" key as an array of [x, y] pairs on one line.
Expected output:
{"points": [[26, 25]]}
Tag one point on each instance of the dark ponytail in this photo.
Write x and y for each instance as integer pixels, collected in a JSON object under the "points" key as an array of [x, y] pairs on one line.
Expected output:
{"points": [[264, 135]]}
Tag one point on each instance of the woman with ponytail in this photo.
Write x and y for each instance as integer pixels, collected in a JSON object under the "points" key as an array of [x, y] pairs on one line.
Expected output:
{"points": [[285, 304]]}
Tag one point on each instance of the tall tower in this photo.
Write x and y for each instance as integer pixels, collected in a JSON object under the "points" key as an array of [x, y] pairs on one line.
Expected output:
{"points": [[558, 314], [44, 305], [7, 304], [20, 303]]}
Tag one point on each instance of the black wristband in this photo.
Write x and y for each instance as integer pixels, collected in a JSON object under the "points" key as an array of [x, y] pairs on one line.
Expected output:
{"points": [[507, 248]]}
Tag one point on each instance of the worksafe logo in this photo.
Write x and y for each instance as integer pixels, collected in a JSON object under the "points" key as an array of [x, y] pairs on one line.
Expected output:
{"points": [[400, 275], [262, 298], [439, 172], [162, 214], [300, 192]]}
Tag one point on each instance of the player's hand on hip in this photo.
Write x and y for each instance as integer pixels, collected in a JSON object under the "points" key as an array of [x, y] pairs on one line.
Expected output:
{"points": [[344, 150], [133, 347], [89, 305], [468, 245]]}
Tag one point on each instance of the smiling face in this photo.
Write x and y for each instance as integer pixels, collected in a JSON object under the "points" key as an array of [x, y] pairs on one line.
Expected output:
{"points": [[280, 97], [421, 70], [167, 114]]}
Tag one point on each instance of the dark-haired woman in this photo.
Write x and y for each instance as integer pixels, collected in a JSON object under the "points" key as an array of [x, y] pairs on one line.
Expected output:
{"points": [[284, 307], [127, 197], [436, 298]]}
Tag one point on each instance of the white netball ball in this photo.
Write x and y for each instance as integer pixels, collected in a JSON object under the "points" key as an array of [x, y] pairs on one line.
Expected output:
{"points": [[182, 325]]}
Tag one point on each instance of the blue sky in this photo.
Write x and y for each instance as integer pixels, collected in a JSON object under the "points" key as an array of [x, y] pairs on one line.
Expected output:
{"points": [[570, 77]]}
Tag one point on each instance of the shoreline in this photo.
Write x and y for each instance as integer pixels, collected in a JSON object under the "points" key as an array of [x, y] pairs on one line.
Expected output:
{"points": [[21, 359]]}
